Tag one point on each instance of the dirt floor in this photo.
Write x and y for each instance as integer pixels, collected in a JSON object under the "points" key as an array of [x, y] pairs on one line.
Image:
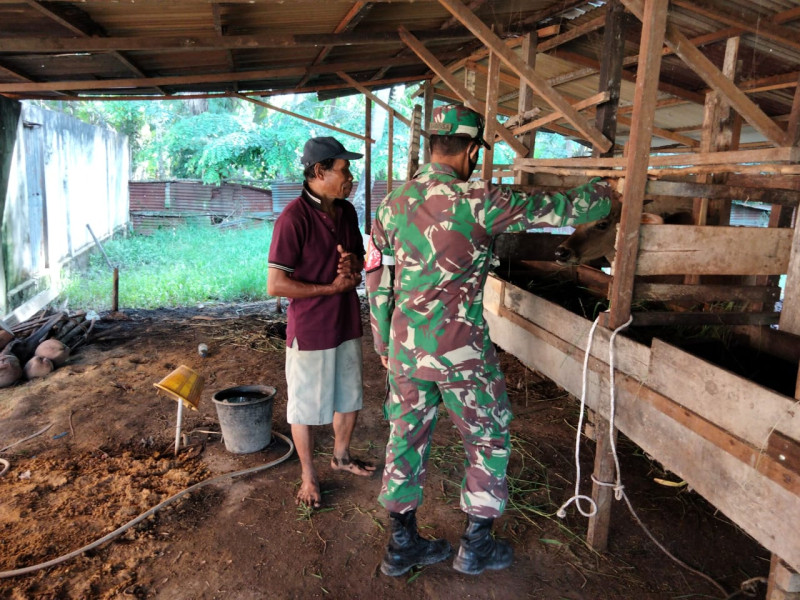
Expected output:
{"points": [[107, 456]]}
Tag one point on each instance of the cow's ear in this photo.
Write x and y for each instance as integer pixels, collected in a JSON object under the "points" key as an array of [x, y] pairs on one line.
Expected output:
{"points": [[651, 219]]}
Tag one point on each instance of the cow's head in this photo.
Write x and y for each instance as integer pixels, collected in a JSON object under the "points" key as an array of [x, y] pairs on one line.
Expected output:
{"points": [[592, 242]]}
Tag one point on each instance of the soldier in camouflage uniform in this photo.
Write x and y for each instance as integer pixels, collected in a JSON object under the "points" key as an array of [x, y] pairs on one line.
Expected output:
{"points": [[427, 262]]}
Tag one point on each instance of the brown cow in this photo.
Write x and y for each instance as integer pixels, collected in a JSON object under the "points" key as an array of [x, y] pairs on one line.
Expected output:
{"points": [[591, 242]]}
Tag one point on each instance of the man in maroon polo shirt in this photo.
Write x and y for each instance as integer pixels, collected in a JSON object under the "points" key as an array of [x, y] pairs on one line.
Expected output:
{"points": [[315, 260]]}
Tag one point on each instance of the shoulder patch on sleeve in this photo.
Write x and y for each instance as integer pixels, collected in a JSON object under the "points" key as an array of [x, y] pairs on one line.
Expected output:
{"points": [[374, 256]]}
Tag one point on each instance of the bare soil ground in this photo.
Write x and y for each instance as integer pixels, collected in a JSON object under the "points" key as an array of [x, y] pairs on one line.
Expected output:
{"points": [[108, 457]]}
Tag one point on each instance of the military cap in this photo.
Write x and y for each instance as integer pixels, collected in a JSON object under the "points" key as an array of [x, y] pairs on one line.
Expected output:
{"points": [[457, 119]]}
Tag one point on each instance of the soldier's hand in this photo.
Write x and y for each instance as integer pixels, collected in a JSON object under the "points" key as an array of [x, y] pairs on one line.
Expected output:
{"points": [[385, 362]]}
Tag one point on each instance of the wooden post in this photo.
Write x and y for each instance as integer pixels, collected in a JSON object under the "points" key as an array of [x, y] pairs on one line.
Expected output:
{"points": [[490, 116], [390, 155], [604, 470], [428, 100], [368, 164], [413, 146], [606, 122], [654, 24], [115, 294], [611, 73], [784, 582], [790, 313], [525, 103]]}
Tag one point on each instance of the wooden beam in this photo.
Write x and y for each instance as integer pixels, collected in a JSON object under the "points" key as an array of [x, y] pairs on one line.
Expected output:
{"points": [[690, 189], [149, 82], [653, 27], [490, 116], [366, 138], [176, 43], [790, 313], [196, 96], [490, 39], [426, 119], [528, 54], [364, 90], [554, 116], [468, 99], [715, 79], [767, 155], [698, 294], [793, 127]]}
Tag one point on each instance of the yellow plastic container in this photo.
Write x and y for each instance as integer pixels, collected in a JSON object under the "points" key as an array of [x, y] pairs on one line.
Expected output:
{"points": [[183, 385]]}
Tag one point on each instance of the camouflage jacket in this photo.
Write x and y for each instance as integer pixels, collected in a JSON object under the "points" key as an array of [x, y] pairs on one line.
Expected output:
{"points": [[426, 312]]}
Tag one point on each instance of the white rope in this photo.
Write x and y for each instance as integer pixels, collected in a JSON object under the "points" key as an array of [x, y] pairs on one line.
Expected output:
{"points": [[577, 497], [619, 489]]}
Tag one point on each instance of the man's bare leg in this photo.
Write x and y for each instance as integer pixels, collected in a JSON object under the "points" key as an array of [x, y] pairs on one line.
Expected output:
{"points": [[343, 426], [308, 493]]}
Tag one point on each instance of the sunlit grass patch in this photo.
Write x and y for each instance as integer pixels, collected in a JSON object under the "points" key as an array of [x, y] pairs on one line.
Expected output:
{"points": [[175, 267]]}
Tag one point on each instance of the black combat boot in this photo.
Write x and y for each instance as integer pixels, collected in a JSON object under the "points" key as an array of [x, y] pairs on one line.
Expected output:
{"points": [[406, 549], [479, 550]]}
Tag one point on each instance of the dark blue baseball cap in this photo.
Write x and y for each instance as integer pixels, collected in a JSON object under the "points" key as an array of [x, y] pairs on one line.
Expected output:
{"points": [[322, 148]]}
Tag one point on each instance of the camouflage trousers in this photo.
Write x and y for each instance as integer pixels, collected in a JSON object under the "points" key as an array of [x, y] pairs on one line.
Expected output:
{"points": [[479, 408]]}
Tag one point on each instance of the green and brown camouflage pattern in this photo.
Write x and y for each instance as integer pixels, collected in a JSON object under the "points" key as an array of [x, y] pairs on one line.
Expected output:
{"points": [[479, 408], [457, 119], [427, 316]]}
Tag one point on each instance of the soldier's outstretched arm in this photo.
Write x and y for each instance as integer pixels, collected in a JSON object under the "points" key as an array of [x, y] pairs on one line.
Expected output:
{"points": [[508, 210]]}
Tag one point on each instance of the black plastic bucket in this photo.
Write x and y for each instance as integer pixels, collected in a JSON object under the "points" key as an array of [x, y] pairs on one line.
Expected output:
{"points": [[245, 416]]}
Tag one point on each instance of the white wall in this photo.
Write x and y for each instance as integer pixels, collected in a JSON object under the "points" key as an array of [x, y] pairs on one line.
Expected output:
{"points": [[82, 172]]}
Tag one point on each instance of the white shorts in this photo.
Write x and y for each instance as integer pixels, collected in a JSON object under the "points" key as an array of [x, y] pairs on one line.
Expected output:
{"points": [[321, 382]]}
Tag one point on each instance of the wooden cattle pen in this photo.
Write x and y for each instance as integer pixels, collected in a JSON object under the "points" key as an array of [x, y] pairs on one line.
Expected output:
{"points": [[674, 99]]}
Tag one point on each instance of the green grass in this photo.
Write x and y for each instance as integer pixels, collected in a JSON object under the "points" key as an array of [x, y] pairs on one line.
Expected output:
{"points": [[175, 267]]}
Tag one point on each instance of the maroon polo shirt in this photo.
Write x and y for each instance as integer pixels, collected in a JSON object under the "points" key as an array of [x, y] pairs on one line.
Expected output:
{"points": [[304, 242]]}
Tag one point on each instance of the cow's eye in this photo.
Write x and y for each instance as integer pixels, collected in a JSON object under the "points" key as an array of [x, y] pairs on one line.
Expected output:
{"points": [[601, 225]]}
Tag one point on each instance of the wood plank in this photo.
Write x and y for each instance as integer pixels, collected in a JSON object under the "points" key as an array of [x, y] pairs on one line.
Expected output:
{"points": [[700, 319], [743, 408], [715, 79], [689, 249], [686, 189], [757, 499], [704, 292], [767, 155], [632, 357], [461, 91], [551, 96], [636, 161]]}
